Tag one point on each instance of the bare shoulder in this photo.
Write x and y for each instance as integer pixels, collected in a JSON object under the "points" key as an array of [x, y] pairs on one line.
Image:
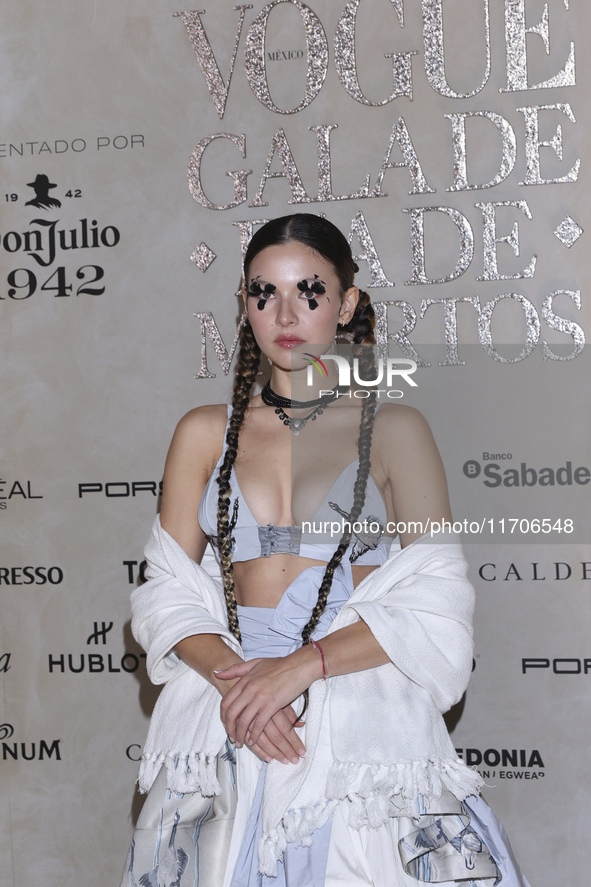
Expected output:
{"points": [[403, 444], [199, 436], [202, 419], [196, 446], [401, 425]]}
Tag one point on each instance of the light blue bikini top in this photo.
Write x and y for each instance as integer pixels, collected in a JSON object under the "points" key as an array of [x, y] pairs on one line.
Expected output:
{"points": [[316, 539]]}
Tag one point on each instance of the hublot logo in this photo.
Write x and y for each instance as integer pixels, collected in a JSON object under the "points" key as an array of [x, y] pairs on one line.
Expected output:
{"points": [[95, 663]]}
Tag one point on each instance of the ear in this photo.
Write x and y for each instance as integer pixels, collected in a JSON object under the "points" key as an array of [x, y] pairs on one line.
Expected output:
{"points": [[348, 305]]}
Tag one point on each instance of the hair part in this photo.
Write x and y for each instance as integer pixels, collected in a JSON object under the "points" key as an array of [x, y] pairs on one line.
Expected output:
{"points": [[318, 234]]}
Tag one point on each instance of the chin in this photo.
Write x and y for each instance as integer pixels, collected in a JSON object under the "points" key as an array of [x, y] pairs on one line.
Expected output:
{"points": [[288, 361]]}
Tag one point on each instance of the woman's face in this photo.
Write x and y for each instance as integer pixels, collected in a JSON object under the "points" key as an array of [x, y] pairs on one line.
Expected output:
{"points": [[293, 300]]}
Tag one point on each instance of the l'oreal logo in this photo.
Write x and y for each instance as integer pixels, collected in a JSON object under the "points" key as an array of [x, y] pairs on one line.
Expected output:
{"points": [[393, 366]]}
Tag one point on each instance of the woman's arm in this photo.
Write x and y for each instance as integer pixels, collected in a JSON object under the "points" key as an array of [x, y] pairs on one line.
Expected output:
{"points": [[408, 467], [262, 686], [193, 454], [194, 451]]}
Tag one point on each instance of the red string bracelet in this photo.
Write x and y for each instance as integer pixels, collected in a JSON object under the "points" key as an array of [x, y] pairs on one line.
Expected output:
{"points": [[316, 645]]}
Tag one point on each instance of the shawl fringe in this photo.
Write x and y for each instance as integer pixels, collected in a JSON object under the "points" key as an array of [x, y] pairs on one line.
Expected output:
{"points": [[193, 772], [375, 792]]}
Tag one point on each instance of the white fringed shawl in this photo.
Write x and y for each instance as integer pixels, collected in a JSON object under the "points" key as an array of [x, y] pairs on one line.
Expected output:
{"points": [[375, 738]]}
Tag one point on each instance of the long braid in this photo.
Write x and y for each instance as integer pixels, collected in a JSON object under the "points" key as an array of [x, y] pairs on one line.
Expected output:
{"points": [[249, 358], [361, 328]]}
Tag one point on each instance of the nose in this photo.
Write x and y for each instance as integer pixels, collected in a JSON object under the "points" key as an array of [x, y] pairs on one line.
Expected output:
{"points": [[286, 312]]}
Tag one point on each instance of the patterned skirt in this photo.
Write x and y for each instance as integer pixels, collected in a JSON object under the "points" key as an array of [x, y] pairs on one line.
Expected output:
{"points": [[183, 840]]}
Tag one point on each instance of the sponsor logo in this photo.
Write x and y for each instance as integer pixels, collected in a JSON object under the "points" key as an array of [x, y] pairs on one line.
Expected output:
{"points": [[47, 240], [95, 663], [12, 489], [134, 752], [525, 476], [514, 763], [99, 633], [43, 242], [41, 187], [556, 571], [133, 577], [31, 575], [558, 666], [121, 489], [43, 750]]}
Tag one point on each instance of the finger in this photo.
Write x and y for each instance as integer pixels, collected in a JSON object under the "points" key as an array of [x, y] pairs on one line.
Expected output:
{"points": [[286, 740], [248, 739], [229, 711], [269, 751], [269, 747], [281, 722], [232, 708], [246, 721], [233, 671], [262, 755]]}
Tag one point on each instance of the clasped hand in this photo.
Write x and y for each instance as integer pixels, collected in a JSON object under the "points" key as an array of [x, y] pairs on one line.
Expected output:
{"points": [[257, 708]]}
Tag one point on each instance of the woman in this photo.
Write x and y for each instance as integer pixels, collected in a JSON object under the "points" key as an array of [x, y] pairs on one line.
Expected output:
{"points": [[361, 786]]}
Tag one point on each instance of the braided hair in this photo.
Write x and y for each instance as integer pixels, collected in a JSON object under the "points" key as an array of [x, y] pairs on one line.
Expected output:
{"points": [[249, 358], [325, 239]]}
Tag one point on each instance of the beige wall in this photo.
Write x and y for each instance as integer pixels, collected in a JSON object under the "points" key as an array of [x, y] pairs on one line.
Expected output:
{"points": [[108, 100]]}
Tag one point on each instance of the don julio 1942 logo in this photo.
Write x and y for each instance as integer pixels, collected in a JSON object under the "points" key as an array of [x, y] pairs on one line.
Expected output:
{"points": [[43, 242]]}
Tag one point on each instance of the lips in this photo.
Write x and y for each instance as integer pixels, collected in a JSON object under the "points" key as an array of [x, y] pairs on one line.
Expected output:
{"points": [[288, 341]]}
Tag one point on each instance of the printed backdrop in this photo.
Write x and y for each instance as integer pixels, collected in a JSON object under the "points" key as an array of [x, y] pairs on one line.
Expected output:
{"points": [[140, 146]]}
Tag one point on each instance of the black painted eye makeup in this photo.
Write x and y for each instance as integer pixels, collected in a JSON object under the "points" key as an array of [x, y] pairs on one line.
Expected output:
{"points": [[312, 287], [260, 291]]}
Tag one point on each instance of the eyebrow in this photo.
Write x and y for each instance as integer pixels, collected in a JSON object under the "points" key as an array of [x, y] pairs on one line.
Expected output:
{"points": [[263, 288], [314, 278], [312, 282]]}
